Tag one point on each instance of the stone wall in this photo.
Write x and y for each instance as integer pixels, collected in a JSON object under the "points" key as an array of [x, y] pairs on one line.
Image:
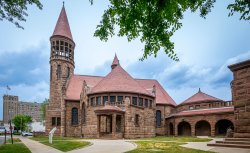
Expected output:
{"points": [[241, 97], [166, 110]]}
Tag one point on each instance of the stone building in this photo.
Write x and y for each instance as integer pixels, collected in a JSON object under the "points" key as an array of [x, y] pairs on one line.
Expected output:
{"points": [[120, 106], [241, 97], [12, 107]]}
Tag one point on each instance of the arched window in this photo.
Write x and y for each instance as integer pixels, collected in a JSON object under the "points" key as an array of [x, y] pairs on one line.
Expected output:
{"points": [[74, 116], [58, 72], [68, 72], [158, 118]]}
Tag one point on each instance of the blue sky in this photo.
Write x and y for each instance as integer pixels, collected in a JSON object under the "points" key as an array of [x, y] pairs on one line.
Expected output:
{"points": [[205, 48]]}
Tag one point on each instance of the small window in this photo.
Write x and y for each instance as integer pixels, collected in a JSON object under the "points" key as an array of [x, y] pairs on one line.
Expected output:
{"points": [[137, 120], [112, 99], [146, 102], [141, 102], [191, 107], [53, 121], [58, 72], [61, 43], [150, 103], [104, 99], [68, 72], [98, 100], [74, 116], [92, 101], [197, 106], [56, 121], [134, 100], [120, 98]]}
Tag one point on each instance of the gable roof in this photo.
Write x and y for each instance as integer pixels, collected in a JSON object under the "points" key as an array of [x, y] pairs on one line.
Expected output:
{"points": [[199, 97], [62, 26], [162, 97]]}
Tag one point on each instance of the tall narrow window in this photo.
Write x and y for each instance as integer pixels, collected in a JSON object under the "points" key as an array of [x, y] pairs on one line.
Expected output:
{"points": [[51, 71], [134, 100], [58, 72], [104, 99], [68, 72], [112, 99], [98, 100], [141, 102], [74, 116], [158, 118], [120, 98], [137, 120], [146, 102]]}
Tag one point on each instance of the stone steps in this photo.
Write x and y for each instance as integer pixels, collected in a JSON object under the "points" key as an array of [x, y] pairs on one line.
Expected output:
{"points": [[233, 143]]}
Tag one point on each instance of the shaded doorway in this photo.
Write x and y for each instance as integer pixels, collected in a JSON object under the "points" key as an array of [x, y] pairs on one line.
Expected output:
{"points": [[184, 129], [202, 128], [222, 125], [171, 129]]}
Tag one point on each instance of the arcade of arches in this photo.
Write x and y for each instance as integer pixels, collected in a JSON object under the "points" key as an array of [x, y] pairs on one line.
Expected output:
{"points": [[188, 127]]}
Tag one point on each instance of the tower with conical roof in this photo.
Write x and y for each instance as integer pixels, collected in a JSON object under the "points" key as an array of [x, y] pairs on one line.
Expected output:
{"points": [[61, 68]]}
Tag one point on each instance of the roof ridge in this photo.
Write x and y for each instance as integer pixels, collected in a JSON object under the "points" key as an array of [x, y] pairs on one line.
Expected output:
{"points": [[88, 75]]}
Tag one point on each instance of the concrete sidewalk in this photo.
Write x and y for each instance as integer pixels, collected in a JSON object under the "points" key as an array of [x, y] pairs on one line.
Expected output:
{"points": [[203, 146], [36, 147]]}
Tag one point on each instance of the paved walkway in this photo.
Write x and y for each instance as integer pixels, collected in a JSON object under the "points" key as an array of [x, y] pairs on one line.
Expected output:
{"points": [[203, 146], [112, 146]]}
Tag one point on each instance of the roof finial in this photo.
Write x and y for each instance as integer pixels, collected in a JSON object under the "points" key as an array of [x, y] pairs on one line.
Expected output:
{"points": [[199, 90], [63, 3], [115, 62]]}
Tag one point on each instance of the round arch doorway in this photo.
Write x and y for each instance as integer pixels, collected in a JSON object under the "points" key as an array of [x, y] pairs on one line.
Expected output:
{"points": [[184, 129], [202, 128], [222, 125]]}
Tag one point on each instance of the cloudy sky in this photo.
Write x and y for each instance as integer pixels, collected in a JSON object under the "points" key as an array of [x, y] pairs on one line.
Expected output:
{"points": [[205, 48]]}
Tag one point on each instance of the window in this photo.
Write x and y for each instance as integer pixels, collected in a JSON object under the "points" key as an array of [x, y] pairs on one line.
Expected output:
{"points": [[68, 72], [120, 98], [92, 101], [56, 121], [136, 120], [112, 99], [191, 107], [150, 103], [134, 100], [58, 71], [146, 102], [141, 102], [158, 118], [197, 106], [98, 100], [104, 99], [74, 116]]}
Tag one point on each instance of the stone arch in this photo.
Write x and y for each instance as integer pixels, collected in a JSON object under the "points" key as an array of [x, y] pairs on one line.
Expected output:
{"points": [[222, 125], [171, 128], [184, 129], [202, 128]]}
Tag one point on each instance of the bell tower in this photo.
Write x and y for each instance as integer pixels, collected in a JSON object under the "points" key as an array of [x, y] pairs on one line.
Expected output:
{"points": [[61, 69]]}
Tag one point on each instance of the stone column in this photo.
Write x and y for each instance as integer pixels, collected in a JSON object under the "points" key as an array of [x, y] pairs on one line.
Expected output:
{"points": [[212, 130], [175, 129], [192, 130], [98, 126], [113, 125]]}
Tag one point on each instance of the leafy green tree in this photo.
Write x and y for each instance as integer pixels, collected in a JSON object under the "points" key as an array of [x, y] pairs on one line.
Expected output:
{"points": [[43, 108], [21, 122], [155, 21], [15, 10]]}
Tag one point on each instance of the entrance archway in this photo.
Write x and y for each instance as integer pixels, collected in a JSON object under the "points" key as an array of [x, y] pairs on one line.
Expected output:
{"points": [[171, 129], [184, 129], [202, 128], [222, 125]]}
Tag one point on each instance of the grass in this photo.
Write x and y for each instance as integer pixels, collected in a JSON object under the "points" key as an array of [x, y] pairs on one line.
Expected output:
{"points": [[178, 139], [14, 140], [16, 147], [163, 147], [63, 143]]}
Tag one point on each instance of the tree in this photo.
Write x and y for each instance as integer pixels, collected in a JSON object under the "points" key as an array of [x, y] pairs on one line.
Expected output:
{"points": [[15, 10], [155, 21], [21, 122], [43, 108]]}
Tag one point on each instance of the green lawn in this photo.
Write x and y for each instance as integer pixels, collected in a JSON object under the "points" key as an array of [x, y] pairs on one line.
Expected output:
{"points": [[178, 139], [163, 147], [63, 143], [14, 140], [12, 148]]}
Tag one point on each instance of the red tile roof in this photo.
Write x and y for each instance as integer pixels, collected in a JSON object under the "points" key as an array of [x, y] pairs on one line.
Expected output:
{"points": [[162, 96], [62, 26], [109, 108], [118, 80], [199, 97], [75, 85], [205, 111]]}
